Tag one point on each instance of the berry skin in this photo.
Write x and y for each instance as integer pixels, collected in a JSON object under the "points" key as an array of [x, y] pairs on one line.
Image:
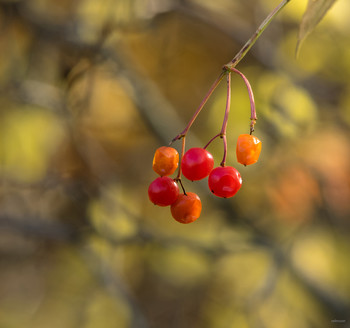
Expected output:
{"points": [[187, 208], [224, 181], [197, 163], [163, 191], [248, 149], [165, 161]]}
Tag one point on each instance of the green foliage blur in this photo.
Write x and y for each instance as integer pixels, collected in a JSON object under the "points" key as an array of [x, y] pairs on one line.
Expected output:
{"points": [[89, 89]]}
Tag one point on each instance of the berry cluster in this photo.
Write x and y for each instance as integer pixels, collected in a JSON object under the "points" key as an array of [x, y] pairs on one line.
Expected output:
{"points": [[164, 191], [197, 164]]}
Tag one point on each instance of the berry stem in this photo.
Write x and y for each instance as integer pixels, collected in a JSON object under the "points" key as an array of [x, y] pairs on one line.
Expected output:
{"points": [[211, 140], [178, 177], [253, 117], [223, 162], [224, 123], [228, 103], [244, 50], [230, 67], [222, 133], [207, 96], [182, 186]]}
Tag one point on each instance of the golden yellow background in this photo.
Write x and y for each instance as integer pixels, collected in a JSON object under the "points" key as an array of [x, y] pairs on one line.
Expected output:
{"points": [[89, 89]]}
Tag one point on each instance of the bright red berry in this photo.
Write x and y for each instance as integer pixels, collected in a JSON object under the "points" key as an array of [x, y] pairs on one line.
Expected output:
{"points": [[248, 149], [197, 163], [224, 181], [187, 208], [165, 160], [163, 191]]}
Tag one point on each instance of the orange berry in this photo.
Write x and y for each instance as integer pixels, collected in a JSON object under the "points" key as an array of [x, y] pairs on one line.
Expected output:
{"points": [[248, 149], [165, 160], [187, 208]]}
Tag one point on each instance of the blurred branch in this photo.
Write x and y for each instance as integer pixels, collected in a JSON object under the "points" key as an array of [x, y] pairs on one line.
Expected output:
{"points": [[49, 96], [113, 283], [157, 112], [154, 108], [269, 284], [329, 299], [236, 29], [33, 227], [281, 260]]}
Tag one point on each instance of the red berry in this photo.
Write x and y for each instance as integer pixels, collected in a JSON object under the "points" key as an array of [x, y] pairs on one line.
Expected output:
{"points": [[187, 208], [163, 191], [165, 160], [224, 181], [248, 149], [197, 163]]}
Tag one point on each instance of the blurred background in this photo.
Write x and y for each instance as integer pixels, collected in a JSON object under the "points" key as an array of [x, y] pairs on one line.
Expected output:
{"points": [[89, 89]]}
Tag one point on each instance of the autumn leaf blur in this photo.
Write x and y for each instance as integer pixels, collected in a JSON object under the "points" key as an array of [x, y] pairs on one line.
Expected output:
{"points": [[89, 89]]}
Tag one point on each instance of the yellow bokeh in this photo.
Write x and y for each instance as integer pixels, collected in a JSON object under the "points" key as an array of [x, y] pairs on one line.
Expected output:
{"points": [[30, 136]]}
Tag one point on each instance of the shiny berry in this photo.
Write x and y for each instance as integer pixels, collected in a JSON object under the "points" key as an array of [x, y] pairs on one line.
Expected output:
{"points": [[187, 208], [163, 191], [165, 161], [248, 149], [224, 181], [197, 163]]}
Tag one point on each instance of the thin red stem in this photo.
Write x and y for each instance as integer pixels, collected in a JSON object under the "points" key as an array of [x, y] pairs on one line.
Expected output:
{"points": [[207, 96], [222, 133], [223, 162], [228, 103], [253, 116], [211, 140], [182, 186], [178, 177], [224, 123], [250, 92], [230, 67]]}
